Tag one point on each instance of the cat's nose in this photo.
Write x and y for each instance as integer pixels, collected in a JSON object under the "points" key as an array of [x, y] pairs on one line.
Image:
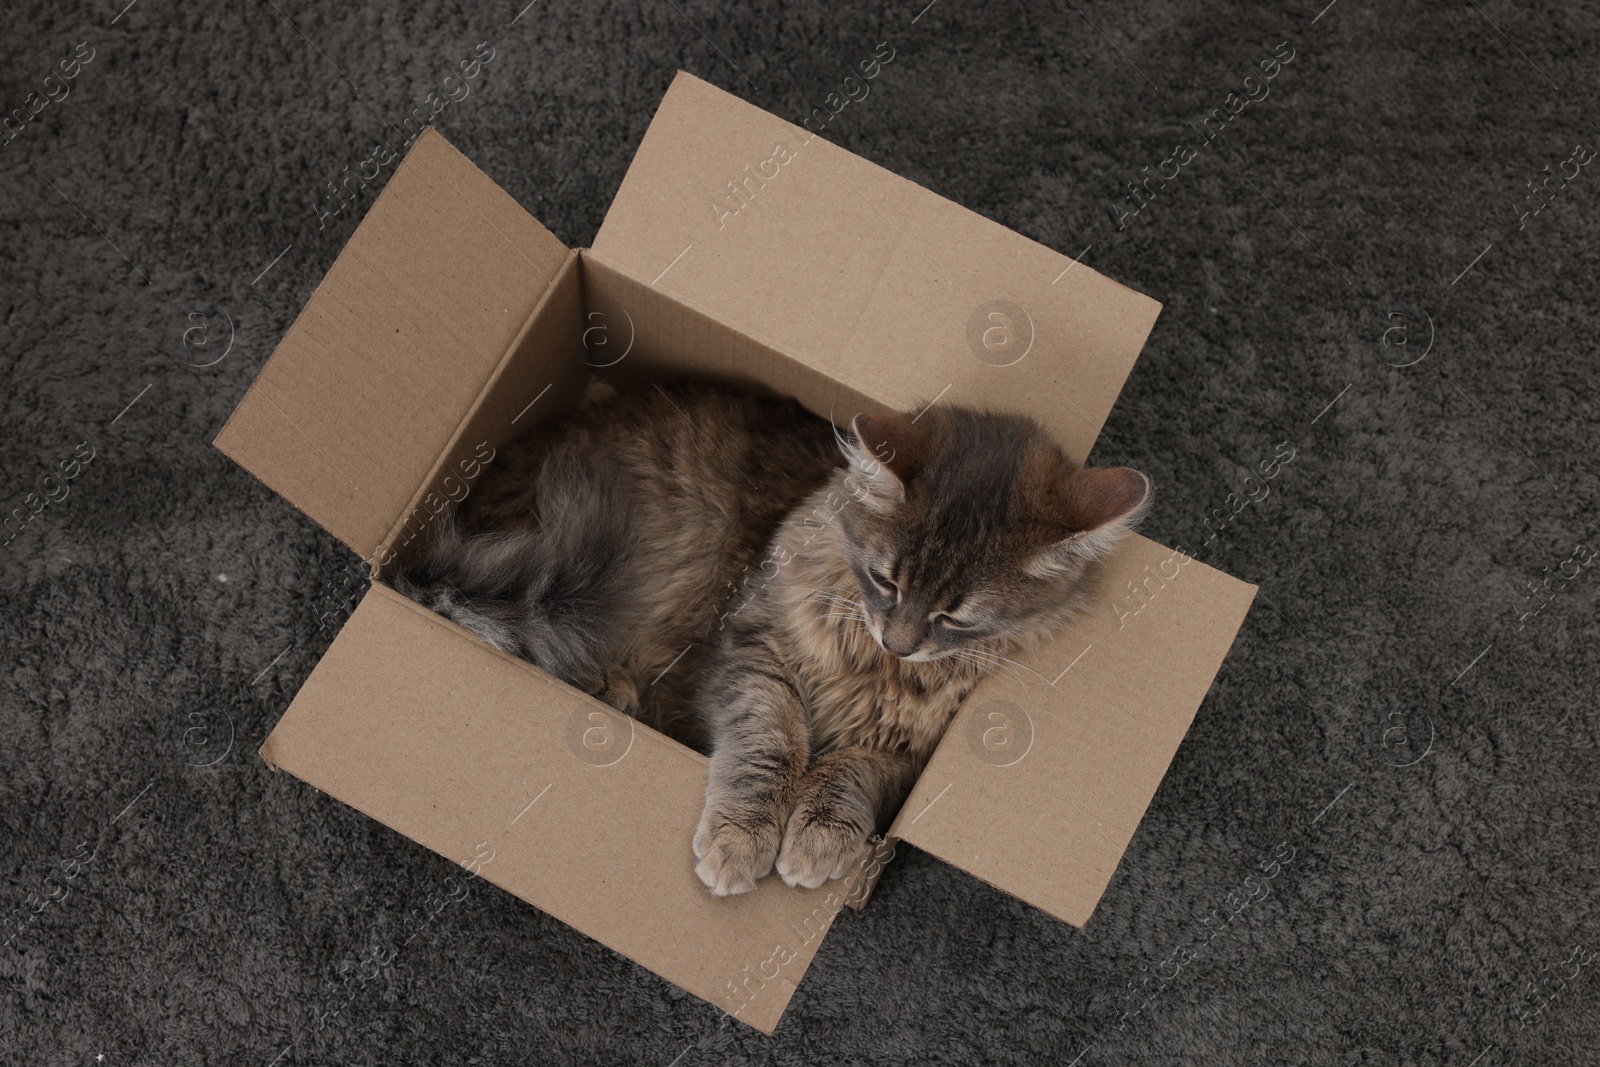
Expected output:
{"points": [[898, 642]]}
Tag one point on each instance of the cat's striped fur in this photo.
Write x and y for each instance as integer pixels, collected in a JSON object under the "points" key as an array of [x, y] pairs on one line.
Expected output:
{"points": [[809, 606]]}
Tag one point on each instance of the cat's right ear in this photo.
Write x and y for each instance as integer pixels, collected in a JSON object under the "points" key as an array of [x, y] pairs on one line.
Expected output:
{"points": [[1098, 507], [883, 451]]}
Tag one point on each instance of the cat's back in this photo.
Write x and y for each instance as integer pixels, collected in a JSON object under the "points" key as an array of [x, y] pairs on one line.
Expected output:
{"points": [[694, 452], [709, 474]]}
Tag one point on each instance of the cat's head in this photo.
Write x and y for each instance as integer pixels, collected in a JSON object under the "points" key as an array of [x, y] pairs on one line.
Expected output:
{"points": [[973, 530]]}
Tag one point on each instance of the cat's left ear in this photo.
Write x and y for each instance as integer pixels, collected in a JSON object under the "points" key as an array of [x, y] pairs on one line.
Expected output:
{"points": [[884, 451], [1098, 506]]}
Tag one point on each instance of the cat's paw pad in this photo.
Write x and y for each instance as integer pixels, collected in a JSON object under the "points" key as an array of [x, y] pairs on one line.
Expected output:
{"points": [[733, 854], [816, 850]]}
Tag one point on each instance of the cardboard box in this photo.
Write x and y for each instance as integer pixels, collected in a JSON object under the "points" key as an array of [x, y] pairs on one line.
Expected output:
{"points": [[742, 246]]}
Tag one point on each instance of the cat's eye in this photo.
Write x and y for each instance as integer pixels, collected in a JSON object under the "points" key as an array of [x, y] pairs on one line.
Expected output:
{"points": [[885, 586], [952, 623]]}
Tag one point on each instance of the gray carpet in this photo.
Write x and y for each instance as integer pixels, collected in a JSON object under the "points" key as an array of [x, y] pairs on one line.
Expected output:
{"points": [[1398, 755]]}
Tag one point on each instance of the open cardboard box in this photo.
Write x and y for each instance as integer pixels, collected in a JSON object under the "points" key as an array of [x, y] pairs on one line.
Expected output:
{"points": [[739, 246]]}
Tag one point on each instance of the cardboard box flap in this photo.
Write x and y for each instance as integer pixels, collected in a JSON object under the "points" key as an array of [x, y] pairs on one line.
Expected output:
{"points": [[1043, 776], [361, 396], [560, 800], [864, 276]]}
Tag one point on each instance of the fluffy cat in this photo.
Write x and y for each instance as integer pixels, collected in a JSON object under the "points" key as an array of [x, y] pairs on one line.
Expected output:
{"points": [[808, 606]]}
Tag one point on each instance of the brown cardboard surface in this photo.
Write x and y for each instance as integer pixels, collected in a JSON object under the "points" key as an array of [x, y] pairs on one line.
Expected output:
{"points": [[671, 337], [542, 375], [1045, 772], [420, 725], [354, 407], [879, 284]]}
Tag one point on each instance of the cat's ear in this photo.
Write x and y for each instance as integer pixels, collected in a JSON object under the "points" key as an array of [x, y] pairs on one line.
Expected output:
{"points": [[884, 451], [1097, 507]]}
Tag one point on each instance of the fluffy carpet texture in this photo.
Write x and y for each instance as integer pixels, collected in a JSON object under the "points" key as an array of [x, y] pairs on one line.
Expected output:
{"points": [[1371, 265]]}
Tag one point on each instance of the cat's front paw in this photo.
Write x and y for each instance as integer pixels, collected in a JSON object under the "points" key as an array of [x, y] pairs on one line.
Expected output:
{"points": [[817, 848], [734, 852]]}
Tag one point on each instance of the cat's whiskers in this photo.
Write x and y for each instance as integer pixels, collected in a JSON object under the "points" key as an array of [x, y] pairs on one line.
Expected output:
{"points": [[837, 599], [993, 661], [954, 661], [1015, 663], [947, 665], [963, 655], [857, 616], [850, 609]]}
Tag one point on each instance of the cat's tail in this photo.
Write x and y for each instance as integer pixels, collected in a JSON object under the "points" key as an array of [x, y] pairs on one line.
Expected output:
{"points": [[553, 594]]}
